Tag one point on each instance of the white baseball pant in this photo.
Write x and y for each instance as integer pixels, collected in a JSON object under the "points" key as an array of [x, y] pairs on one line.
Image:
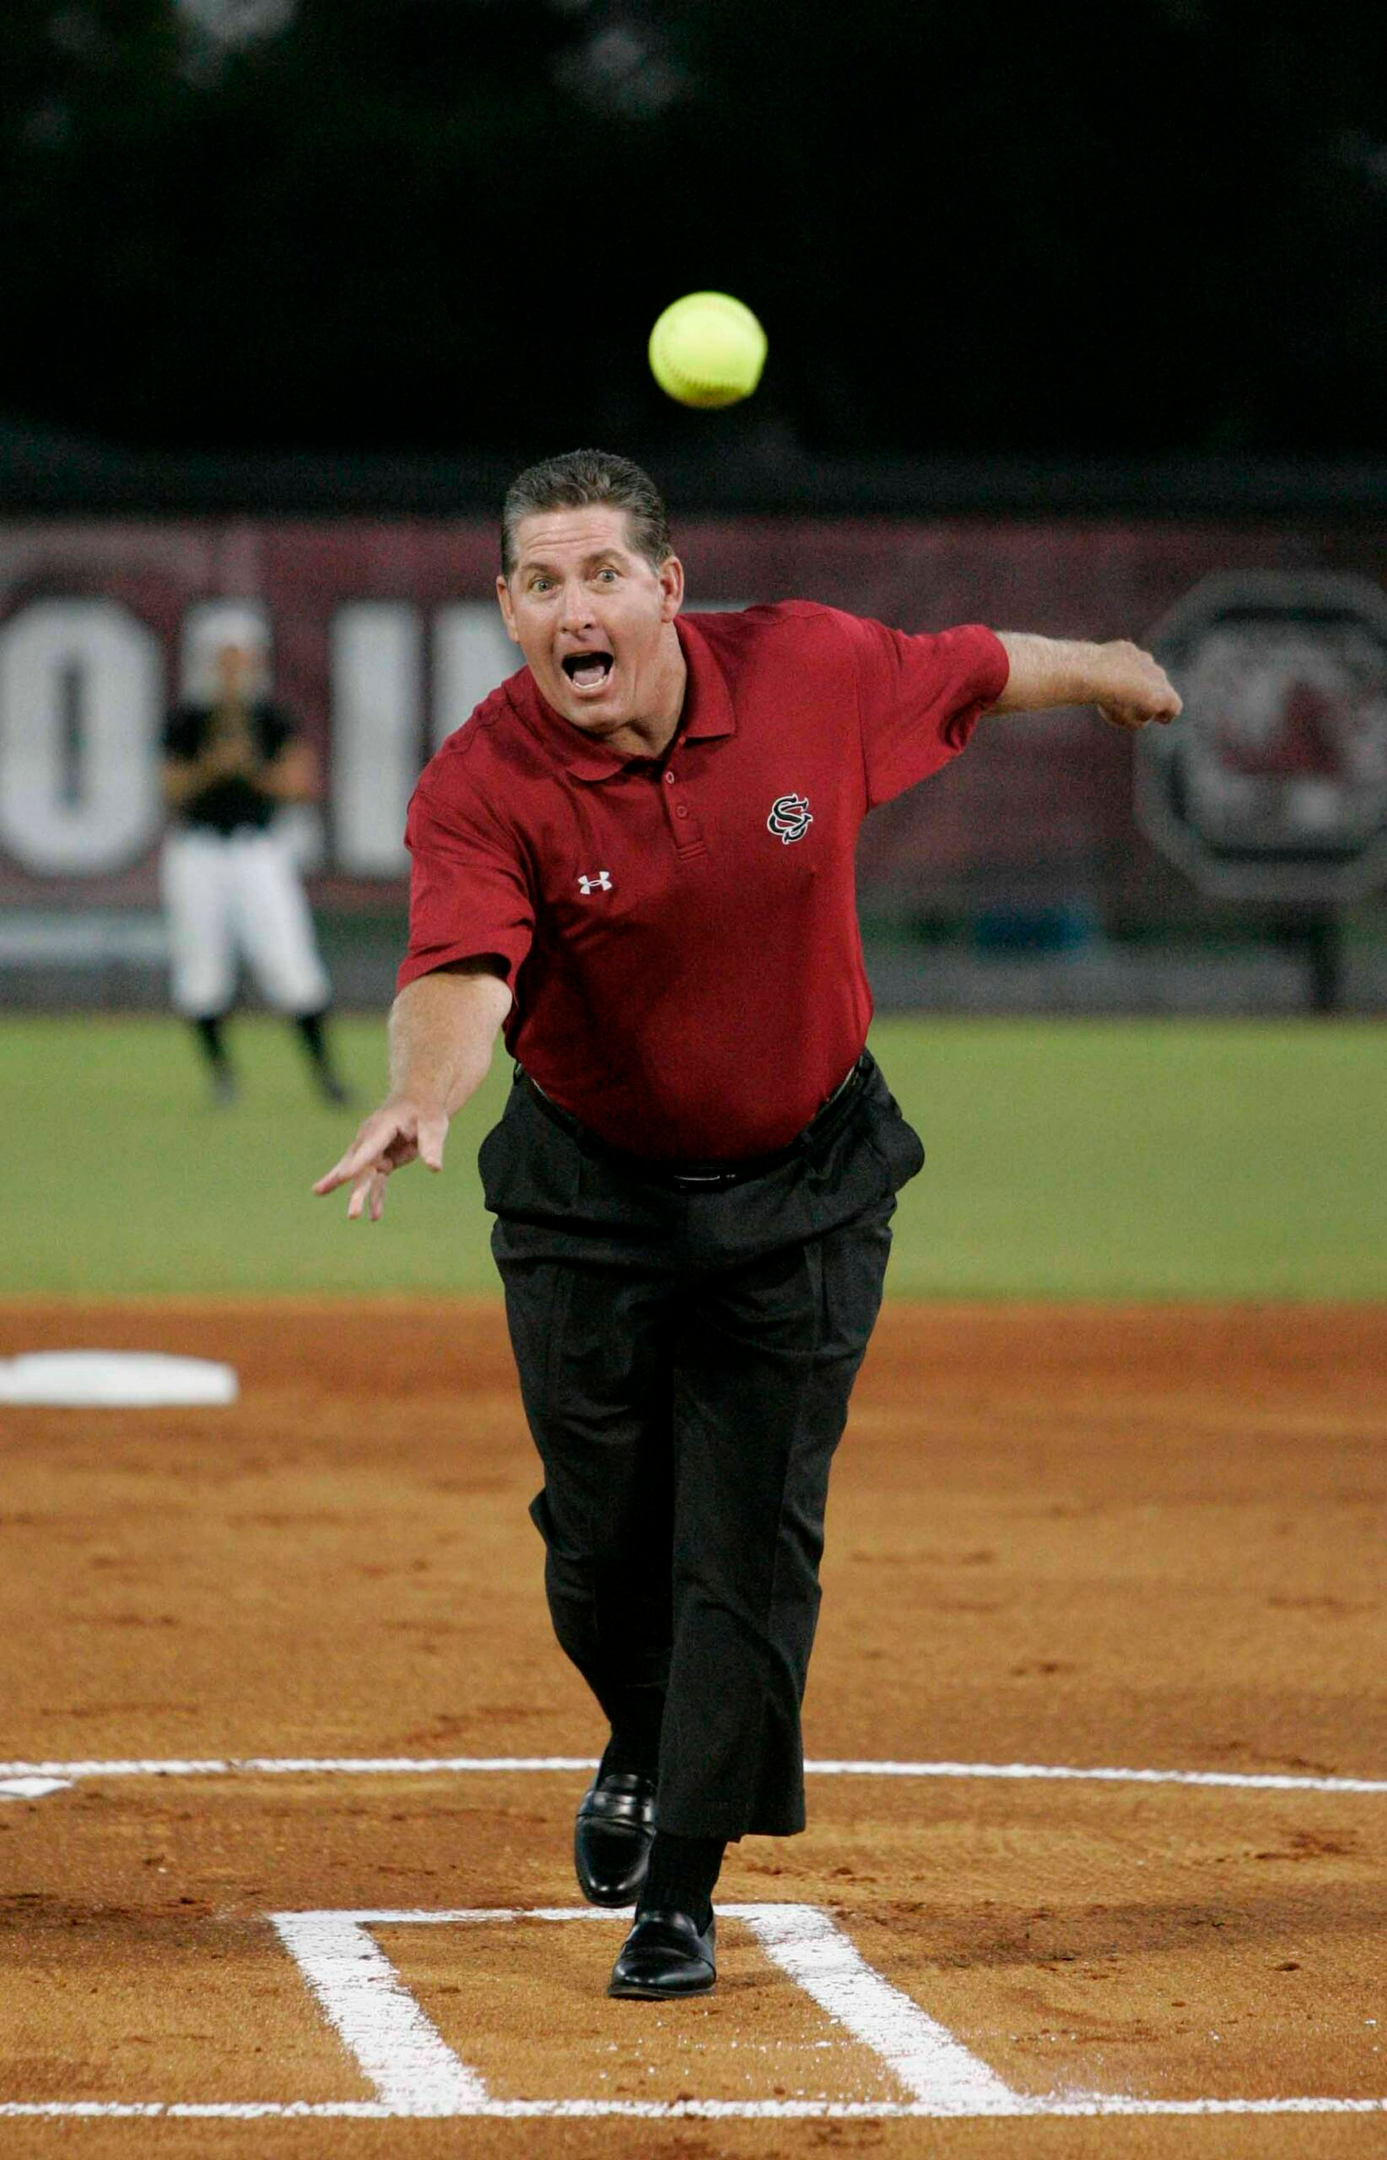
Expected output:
{"points": [[238, 896]]}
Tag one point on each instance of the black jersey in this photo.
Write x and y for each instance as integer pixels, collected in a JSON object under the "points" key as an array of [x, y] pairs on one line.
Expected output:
{"points": [[237, 799]]}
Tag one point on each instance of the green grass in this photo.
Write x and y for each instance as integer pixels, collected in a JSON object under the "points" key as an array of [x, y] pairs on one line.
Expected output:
{"points": [[1144, 1159], [1141, 1159]]}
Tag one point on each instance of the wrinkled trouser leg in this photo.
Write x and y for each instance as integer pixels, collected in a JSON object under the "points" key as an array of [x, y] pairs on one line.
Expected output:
{"points": [[687, 1420], [686, 1363], [763, 1373], [592, 1348]]}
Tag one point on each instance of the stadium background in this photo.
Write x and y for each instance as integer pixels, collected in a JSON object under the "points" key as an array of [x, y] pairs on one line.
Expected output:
{"points": [[1066, 317], [289, 274], [1020, 879]]}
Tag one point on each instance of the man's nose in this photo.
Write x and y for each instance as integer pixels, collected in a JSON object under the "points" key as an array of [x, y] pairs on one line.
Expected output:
{"points": [[577, 606]]}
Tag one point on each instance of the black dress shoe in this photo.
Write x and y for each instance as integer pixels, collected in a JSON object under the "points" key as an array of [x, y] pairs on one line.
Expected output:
{"points": [[665, 1954], [612, 1837]]}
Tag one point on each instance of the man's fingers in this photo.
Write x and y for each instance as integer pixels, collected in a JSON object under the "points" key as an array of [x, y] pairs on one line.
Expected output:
{"points": [[368, 1192], [359, 1191], [1139, 689], [388, 1140], [1133, 717], [432, 1134], [342, 1173], [370, 1143], [1166, 704]]}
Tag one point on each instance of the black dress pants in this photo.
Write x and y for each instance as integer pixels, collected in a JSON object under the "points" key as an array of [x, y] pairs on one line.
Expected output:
{"points": [[685, 1360]]}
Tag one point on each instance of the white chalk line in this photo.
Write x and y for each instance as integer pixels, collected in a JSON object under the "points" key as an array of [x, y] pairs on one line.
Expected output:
{"points": [[466, 1765], [958, 2085], [412, 2067], [400, 2051], [934, 2067], [419, 2078], [676, 2110]]}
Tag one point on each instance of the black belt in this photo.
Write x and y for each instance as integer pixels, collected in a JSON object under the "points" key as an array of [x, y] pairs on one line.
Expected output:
{"points": [[706, 1176]]}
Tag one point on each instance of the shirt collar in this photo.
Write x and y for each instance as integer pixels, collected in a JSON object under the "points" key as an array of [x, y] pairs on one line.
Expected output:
{"points": [[708, 712]]}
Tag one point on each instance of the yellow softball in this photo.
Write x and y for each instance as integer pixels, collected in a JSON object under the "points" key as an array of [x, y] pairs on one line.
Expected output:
{"points": [[707, 349]]}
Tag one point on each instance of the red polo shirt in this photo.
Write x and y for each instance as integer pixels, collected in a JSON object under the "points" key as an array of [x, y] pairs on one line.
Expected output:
{"points": [[681, 932]]}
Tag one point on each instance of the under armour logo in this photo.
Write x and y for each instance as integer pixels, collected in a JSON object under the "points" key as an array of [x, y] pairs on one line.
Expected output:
{"points": [[790, 818], [599, 882]]}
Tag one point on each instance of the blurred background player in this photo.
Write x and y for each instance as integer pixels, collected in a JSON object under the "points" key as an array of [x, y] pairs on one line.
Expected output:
{"points": [[230, 887]]}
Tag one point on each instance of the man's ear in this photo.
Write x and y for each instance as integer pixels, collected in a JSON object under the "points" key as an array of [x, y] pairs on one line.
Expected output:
{"points": [[507, 611], [671, 576]]}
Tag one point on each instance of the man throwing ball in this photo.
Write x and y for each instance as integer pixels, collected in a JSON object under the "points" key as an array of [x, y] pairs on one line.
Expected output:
{"points": [[637, 858]]}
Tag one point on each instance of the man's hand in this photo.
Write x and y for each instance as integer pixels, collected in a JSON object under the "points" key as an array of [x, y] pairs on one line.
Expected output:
{"points": [[1138, 688], [1126, 684], [442, 1029], [385, 1141]]}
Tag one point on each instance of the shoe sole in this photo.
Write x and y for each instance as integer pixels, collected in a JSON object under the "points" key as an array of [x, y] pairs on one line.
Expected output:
{"points": [[637, 1991], [625, 1903]]}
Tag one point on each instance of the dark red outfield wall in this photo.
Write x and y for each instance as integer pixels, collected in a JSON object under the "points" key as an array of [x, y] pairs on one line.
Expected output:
{"points": [[383, 637]]}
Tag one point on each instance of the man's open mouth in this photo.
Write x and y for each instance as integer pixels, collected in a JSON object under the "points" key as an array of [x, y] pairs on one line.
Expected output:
{"points": [[587, 670]]}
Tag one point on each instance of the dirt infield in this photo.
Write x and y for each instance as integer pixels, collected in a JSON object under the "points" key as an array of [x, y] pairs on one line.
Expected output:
{"points": [[1060, 1539]]}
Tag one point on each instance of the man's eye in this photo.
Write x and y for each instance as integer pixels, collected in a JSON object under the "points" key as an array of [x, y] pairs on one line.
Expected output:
{"points": [[607, 574]]}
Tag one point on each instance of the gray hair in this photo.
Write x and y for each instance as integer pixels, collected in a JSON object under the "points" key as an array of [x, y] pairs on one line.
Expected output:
{"points": [[583, 479]]}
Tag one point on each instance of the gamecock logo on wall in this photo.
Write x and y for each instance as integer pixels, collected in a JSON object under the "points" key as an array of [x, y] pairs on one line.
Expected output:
{"points": [[1273, 784]]}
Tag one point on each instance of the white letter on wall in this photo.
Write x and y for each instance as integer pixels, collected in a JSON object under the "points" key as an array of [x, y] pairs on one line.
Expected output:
{"points": [[471, 655], [81, 694], [375, 734]]}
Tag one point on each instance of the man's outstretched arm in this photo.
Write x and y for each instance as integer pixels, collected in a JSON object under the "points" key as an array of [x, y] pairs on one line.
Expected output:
{"points": [[443, 1029], [1126, 684]]}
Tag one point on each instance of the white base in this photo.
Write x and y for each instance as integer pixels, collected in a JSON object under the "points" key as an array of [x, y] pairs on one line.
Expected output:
{"points": [[114, 1379]]}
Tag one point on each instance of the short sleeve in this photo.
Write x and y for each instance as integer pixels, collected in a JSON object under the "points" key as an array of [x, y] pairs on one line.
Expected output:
{"points": [[469, 894], [920, 698]]}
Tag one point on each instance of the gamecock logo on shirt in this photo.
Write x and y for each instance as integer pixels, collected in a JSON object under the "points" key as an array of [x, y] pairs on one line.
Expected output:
{"points": [[790, 818]]}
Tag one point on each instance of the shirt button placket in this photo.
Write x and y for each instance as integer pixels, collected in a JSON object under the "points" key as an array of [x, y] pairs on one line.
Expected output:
{"points": [[688, 837]]}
